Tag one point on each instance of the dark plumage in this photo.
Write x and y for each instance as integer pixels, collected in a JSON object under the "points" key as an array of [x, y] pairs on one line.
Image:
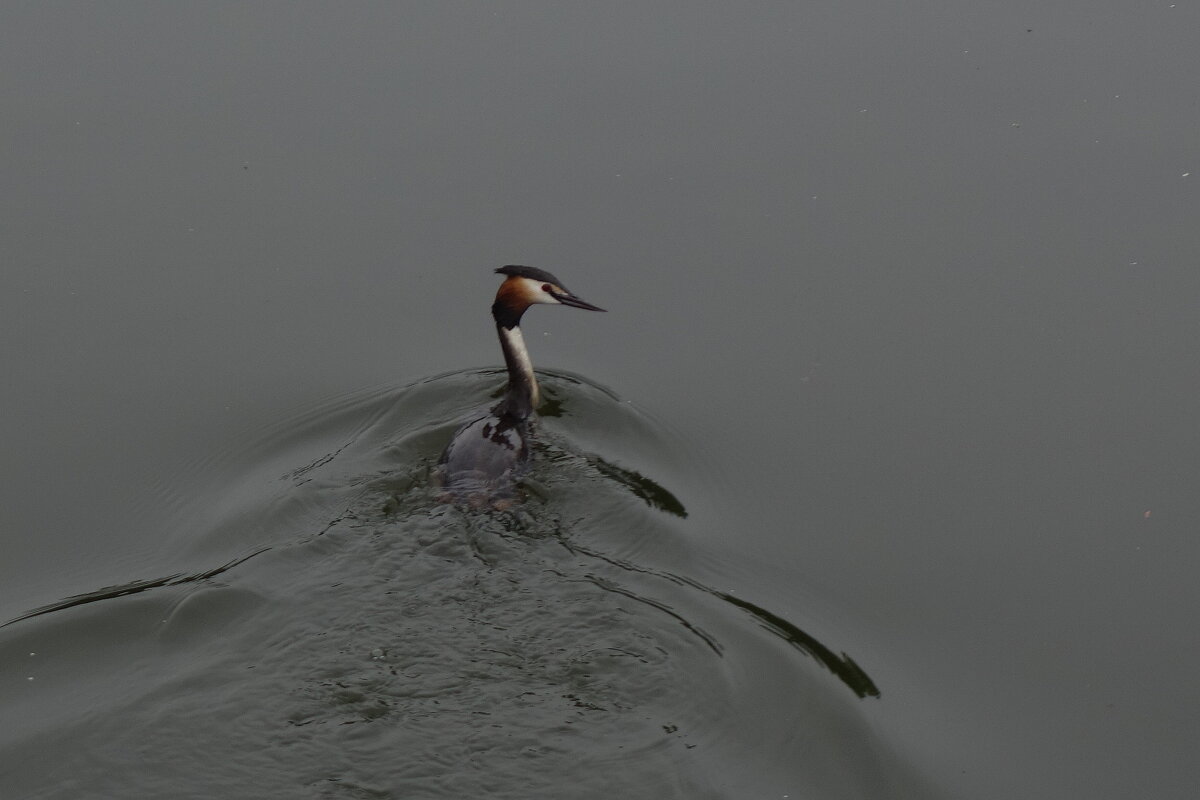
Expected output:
{"points": [[533, 273]]}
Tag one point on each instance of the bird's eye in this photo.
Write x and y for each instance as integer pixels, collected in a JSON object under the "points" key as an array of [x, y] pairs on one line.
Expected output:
{"points": [[547, 288]]}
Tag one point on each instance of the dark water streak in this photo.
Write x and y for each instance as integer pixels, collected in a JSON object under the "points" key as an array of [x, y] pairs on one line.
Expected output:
{"points": [[507, 654]]}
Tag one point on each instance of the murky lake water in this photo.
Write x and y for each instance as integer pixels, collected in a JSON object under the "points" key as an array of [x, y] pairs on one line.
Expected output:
{"points": [[355, 636], [877, 479]]}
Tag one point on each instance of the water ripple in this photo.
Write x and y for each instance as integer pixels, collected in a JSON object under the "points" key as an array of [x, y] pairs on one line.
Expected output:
{"points": [[358, 638]]}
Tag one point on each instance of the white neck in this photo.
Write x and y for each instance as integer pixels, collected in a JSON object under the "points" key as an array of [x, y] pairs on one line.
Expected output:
{"points": [[522, 396]]}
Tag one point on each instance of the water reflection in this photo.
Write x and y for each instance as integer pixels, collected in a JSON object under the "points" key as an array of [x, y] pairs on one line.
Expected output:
{"points": [[369, 640], [132, 587], [840, 665], [639, 486]]}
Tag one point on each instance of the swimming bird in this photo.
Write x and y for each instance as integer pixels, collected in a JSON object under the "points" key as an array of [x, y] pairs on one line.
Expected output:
{"points": [[485, 455]]}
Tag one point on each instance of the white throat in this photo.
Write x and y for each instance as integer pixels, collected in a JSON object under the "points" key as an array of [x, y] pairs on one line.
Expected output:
{"points": [[522, 385]]}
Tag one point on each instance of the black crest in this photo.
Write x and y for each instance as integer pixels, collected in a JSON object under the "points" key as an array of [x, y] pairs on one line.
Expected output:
{"points": [[533, 273]]}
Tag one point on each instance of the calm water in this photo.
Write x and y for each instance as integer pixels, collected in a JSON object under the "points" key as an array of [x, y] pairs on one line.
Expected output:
{"points": [[877, 479]]}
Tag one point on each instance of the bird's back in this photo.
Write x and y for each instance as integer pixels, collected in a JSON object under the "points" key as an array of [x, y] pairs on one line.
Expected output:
{"points": [[484, 459]]}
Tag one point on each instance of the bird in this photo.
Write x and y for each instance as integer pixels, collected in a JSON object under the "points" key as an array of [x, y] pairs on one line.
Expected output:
{"points": [[486, 454]]}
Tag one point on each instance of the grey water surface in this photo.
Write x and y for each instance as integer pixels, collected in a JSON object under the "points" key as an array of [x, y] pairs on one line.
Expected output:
{"points": [[877, 480]]}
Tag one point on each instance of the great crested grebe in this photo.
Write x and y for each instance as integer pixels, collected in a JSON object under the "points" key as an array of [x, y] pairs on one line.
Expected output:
{"points": [[481, 463]]}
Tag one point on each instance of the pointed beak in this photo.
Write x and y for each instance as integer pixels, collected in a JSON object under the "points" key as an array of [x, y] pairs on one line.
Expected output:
{"points": [[574, 302]]}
